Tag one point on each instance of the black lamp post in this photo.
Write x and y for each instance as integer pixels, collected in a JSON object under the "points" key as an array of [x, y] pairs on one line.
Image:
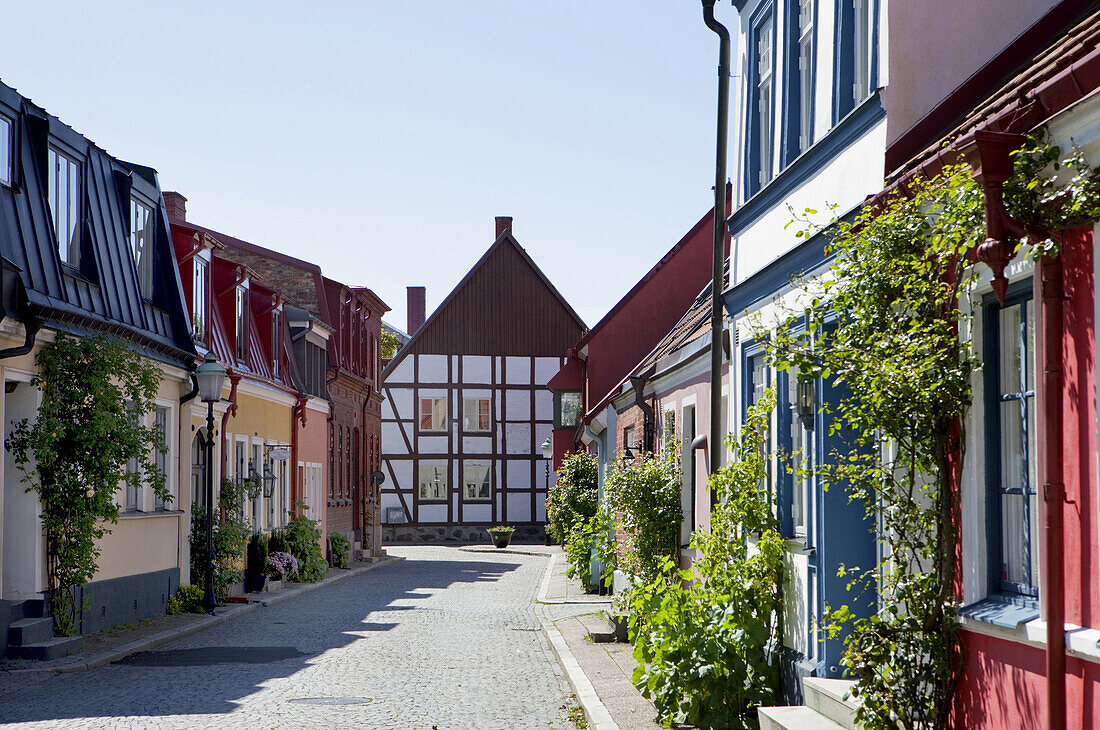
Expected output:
{"points": [[209, 376]]}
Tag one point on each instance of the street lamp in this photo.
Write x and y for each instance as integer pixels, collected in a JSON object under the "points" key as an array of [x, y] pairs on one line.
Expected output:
{"points": [[548, 454], [209, 378]]}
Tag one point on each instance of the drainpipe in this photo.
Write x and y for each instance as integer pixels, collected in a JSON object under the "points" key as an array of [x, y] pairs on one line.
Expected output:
{"points": [[234, 380], [297, 413], [31, 325], [638, 382], [990, 156], [719, 233]]}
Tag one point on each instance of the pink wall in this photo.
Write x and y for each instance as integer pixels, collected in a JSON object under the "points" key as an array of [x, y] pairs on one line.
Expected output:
{"points": [[313, 447], [1003, 682], [958, 36]]}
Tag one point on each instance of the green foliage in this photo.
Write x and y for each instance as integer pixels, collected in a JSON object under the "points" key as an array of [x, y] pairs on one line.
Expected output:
{"points": [[706, 642], [595, 537], [188, 599], [277, 542], [304, 540], [647, 493], [231, 535], [572, 501], [389, 344], [256, 560], [75, 454], [500, 529], [339, 548]]}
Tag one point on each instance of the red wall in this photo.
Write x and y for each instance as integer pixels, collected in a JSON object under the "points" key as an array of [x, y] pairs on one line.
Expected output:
{"points": [[1003, 682]]}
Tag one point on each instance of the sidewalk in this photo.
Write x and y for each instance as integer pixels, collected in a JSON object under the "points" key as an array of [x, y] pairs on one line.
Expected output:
{"points": [[117, 643], [600, 674]]}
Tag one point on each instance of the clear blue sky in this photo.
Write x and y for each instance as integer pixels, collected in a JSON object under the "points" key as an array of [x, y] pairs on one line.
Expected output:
{"points": [[379, 138]]}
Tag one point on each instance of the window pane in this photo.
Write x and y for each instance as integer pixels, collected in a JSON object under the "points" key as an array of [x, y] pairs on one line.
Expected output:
{"points": [[5, 151]]}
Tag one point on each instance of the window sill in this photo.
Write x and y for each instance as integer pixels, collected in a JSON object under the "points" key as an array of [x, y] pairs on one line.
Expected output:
{"points": [[798, 546], [1081, 643], [1006, 611], [139, 515]]}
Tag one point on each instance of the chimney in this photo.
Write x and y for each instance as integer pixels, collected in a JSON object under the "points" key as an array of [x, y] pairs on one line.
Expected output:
{"points": [[415, 307], [504, 223], [177, 206]]}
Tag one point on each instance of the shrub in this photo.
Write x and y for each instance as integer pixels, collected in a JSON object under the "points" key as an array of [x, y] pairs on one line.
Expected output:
{"points": [[277, 542], [339, 547], [188, 599], [572, 501], [231, 533], [304, 540], [281, 566], [257, 554], [707, 649], [596, 536], [648, 496]]}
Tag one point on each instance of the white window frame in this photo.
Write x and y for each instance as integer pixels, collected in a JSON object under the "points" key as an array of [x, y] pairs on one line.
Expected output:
{"points": [[7, 144], [862, 19], [141, 243], [65, 208], [765, 95], [163, 461], [200, 287], [806, 11], [276, 337], [240, 313], [475, 418], [437, 414], [433, 475], [477, 476]]}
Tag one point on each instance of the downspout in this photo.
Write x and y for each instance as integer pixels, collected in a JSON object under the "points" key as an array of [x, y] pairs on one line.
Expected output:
{"points": [[990, 156], [31, 326], [297, 413], [719, 233], [637, 382], [234, 379]]}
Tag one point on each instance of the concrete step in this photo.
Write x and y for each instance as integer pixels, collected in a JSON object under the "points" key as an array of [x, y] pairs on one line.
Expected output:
{"points": [[830, 698], [30, 608], [794, 718], [30, 631], [44, 651]]}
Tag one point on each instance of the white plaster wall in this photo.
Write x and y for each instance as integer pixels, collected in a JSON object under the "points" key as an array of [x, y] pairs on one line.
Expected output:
{"points": [[477, 444], [546, 368], [518, 438], [519, 475], [544, 405], [477, 369], [400, 401], [433, 445], [517, 405], [433, 512], [392, 442], [23, 547], [403, 474], [540, 507], [433, 368], [518, 370], [519, 508], [403, 373], [477, 512]]}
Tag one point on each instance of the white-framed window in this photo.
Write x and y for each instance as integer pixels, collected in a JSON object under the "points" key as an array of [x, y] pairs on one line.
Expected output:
{"points": [[765, 47], [801, 457], [141, 244], [862, 48], [161, 419], [475, 415], [567, 408], [256, 462], [284, 493], [241, 318], [476, 481], [433, 482], [276, 339], [628, 438], [433, 414], [134, 488], [64, 200], [6, 146], [805, 73], [199, 287]]}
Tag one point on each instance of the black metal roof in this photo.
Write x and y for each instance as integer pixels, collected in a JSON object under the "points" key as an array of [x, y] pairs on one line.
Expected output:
{"points": [[103, 294]]}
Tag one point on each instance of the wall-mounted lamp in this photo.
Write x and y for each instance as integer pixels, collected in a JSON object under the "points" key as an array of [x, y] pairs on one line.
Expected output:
{"points": [[806, 401]]}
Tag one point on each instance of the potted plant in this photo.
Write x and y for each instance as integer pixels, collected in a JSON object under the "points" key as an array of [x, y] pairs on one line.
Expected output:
{"points": [[282, 565], [501, 535], [255, 576]]}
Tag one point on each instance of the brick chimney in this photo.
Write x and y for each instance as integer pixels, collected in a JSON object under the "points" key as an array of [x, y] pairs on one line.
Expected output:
{"points": [[415, 307], [177, 206], [504, 223]]}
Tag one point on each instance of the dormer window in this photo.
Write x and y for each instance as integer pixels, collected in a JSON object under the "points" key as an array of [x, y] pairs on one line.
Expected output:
{"points": [[5, 150], [241, 308], [199, 286], [141, 244], [64, 200], [276, 340], [567, 408]]}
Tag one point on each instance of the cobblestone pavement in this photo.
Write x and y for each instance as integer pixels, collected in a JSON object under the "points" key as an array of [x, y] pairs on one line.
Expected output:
{"points": [[445, 639]]}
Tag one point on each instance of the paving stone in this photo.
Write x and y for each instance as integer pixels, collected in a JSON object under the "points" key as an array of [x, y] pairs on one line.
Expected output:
{"points": [[445, 638]]}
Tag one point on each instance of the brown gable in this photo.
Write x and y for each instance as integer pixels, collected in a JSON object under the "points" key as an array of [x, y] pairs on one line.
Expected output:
{"points": [[504, 306]]}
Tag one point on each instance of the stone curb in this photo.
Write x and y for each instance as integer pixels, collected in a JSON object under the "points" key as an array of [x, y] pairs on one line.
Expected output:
{"points": [[599, 718], [544, 588], [498, 551], [223, 615]]}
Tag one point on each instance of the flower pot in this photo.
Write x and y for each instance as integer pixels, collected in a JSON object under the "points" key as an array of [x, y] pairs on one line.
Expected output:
{"points": [[254, 582], [501, 539]]}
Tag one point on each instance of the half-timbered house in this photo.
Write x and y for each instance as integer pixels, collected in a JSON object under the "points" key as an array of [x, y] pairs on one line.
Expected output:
{"points": [[467, 408]]}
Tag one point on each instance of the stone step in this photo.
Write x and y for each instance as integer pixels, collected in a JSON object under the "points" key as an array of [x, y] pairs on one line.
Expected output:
{"points": [[30, 631], [794, 718], [30, 608], [44, 651], [598, 628], [830, 697]]}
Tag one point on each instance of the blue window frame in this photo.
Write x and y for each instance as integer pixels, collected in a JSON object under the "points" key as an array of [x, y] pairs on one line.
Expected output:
{"points": [[855, 55], [756, 379], [1012, 498], [760, 109], [800, 43]]}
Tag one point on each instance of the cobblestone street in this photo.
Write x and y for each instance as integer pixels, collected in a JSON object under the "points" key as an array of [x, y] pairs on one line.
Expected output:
{"points": [[445, 639]]}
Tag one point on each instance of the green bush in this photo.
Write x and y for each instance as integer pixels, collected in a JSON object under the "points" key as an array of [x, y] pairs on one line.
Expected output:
{"points": [[304, 540], [277, 542], [188, 599], [256, 561], [339, 547], [707, 649], [648, 496], [572, 501], [596, 536], [231, 533]]}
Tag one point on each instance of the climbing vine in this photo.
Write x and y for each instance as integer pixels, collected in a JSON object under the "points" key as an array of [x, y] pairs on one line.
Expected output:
{"points": [[646, 497], [75, 454], [891, 323]]}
